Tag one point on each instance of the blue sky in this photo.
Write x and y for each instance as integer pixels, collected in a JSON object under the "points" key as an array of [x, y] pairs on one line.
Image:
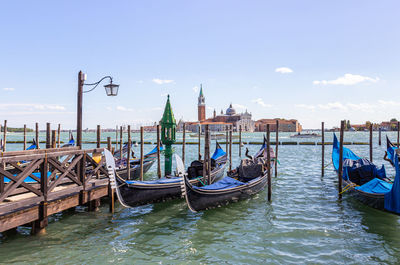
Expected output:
{"points": [[310, 60]]}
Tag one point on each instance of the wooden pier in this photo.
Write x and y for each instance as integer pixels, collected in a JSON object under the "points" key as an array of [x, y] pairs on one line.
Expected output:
{"points": [[35, 184]]}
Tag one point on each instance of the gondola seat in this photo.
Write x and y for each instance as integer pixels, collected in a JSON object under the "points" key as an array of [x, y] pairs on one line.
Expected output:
{"points": [[225, 183], [251, 168], [195, 170]]}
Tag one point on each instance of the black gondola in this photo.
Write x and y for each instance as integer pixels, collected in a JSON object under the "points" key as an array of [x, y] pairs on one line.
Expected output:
{"points": [[246, 180], [134, 193]]}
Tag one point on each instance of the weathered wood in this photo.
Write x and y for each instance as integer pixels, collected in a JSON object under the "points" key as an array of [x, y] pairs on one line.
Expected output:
{"points": [[24, 136], [109, 147], [240, 140], [158, 152], [269, 164], [183, 143], [230, 148], [48, 141], [120, 142], [340, 173], [4, 135], [98, 138], [116, 138], [35, 152], [128, 156], [322, 148], [370, 142], [53, 139], [199, 143], [141, 153], [58, 136], [65, 172], [276, 147], [208, 154], [398, 134], [24, 185], [227, 139], [37, 135], [380, 138], [81, 80]]}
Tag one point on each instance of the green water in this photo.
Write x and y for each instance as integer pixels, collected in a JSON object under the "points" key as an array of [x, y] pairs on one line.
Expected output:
{"points": [[304, 223]]}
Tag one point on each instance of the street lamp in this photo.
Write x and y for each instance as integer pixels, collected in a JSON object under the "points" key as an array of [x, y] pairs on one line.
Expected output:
{"points": [[111, 90]]}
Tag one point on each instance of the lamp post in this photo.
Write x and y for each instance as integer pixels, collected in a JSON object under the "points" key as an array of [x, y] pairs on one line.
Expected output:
{"points": [[111, 90]]}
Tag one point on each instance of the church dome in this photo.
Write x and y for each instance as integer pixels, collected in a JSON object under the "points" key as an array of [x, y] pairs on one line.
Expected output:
{"points": [[230, 111]]}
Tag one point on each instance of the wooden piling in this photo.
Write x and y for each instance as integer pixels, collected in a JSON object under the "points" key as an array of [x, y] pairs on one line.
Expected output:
{"points": [[24, 136], [322, 148], [141, 153], [48, 141], [230, 148], [128, 155], [206, 154], [58, 135], [380, 138], [53, 139], [240, 140], [398, 134], [116, 138], [110, 190], [40, 225], [120, 143], [227, 139], [158, 152], [5, 135], [276, 147], [199, 144], [37, 135], [340, 173], [370, 142], [269, 164], [183, 143], [98, 134]]}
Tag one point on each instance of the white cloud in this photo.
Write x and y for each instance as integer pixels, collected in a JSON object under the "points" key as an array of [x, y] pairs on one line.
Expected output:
{"points": [[261, 102], [305, 106], [195, 89], [164, 95], [23, 106], [388, 103], [284, 70], [162, 81], [332, 105], [347, 80], [238, 106], [9, 89], [122, 108]]}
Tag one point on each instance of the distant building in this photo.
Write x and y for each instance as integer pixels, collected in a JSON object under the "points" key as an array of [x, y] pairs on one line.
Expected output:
{"points": [[284, 125]]}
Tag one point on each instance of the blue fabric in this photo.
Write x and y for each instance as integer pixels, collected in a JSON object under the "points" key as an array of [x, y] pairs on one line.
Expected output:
{"points": [[392, 198], [218, 153], [347, 153], [224, 183], [376, 185], [391, 150], [154, 150], [158, 181], [33, 146], [29, 179]]}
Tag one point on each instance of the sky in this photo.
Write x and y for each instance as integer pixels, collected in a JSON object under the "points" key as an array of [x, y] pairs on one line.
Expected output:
{"points": [[308, 60]]}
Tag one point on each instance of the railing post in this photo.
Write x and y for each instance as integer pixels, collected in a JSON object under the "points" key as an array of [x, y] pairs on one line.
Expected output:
{"points": [[40, 224]]}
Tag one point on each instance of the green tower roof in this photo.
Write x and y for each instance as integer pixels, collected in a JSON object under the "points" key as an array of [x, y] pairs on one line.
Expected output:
{"points": [[168, 116], [201, 91]]}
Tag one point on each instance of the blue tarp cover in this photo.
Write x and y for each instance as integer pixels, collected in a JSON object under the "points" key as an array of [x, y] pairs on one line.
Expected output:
{"points": [[391, 150], [224, 183], [29, 179], [218, 153], [392, 198], [158, 181], [375, 186], [347, 153]]}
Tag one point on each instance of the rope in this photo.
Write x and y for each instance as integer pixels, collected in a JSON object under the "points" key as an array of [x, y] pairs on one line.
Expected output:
{"points": [[348, 187], [199, 179], [328, 165]]}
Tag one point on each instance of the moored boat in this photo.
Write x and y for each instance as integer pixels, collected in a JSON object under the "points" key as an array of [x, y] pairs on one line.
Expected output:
{"points": [[246, 180], [134, 193]]}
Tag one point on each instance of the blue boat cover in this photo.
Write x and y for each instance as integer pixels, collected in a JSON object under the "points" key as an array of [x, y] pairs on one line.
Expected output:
{"points": [[154, 150], [391, 150], [218, 153], [347, 153], [392, 198], [225, 183], [29, 179], [157, 181], [376, 185]]}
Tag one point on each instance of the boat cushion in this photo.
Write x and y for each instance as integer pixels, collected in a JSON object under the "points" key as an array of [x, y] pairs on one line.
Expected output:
{"points": [[157, 181], [375, 186], [225, 183]]}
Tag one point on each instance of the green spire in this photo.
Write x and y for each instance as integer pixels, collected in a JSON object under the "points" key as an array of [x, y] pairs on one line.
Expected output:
{"points": [[201, 91], [168, 116]]}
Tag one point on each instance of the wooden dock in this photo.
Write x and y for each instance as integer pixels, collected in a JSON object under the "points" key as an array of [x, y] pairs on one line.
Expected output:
{"points": [[35, 184]]}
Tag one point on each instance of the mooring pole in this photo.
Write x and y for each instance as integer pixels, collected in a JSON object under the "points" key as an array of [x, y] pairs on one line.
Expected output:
{"points": [[199, 144], [276, 147], [81, 80], [183, 142], [269, 164], [53, 139], [98, 134], [141, 153], [5, 135], [380, 132], [240, 140], [227, 139], [58, 135], [37, 136], [24, 136], [323, 148], [370, 142], [398, 134], [120, 142], [208, 155], [110, 190], [158, 152], [340, 173], [230, 148], [48, 143], [128, 155], [116, 138]]}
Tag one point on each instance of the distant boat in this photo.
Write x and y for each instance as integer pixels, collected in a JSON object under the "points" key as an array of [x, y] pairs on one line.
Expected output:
{"points": [[305, 135]]}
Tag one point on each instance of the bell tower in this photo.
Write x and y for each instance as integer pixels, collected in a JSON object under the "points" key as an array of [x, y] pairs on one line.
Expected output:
{"points": [[201, 106]]}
